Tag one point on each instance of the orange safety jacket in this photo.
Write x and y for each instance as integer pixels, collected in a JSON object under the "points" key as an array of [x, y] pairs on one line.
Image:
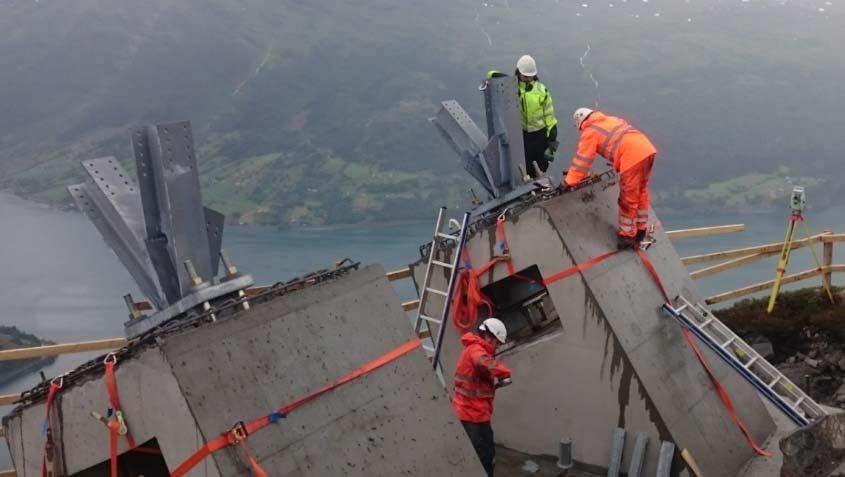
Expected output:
{"points": [[474, 379], [614, 139]]}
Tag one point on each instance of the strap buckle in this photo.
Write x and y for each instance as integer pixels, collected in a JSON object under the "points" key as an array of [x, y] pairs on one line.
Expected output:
{"points": [[239, 432], [110, 358], [503, 215], [58, 382], [122, 430]]}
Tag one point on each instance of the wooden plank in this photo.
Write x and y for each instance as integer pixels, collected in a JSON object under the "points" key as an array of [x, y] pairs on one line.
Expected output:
{"points": [[2, 432], [399, 274], [411, 305], [705, 231], [8, 473], [54, 350], [730, 264], [6, 399], [691, 463], [739, 292], [742, 252], [833, 238]]}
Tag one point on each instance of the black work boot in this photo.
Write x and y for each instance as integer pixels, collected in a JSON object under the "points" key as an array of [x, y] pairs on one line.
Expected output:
{"points": [[640, 235], [625, 242]]}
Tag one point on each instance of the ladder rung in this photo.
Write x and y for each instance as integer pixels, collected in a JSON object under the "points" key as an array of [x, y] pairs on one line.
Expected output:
{"points": [[437, 292], [429, 318], [428, 349], [728, 343], [706, 322], [447, 236], [798, 402], [681, 308], [442, 264], [751, 361], [775, 381]]}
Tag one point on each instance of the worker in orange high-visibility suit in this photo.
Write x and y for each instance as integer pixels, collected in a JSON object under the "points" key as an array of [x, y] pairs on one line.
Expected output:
{"points": [[477, 375], [632, 155]]}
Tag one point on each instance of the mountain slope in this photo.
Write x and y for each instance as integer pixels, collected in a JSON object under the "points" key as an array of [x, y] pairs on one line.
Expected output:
{"points": [[316, 111]]}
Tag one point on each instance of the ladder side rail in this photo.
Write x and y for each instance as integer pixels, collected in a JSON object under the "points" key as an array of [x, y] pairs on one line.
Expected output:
{"points": [[431, 253], [753, 379], [761, 365], [451, 290]]}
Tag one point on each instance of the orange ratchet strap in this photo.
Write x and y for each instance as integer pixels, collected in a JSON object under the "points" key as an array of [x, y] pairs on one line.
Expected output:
{"points": [[55, 386], [723, 393], [240, 432]]}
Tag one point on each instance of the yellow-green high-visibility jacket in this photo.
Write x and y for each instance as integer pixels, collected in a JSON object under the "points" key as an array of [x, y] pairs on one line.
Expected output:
{"points": [[538, 111]]}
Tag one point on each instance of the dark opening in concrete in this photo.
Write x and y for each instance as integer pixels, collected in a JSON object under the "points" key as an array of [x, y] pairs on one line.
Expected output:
{"points": [[522, 302], [143, 461]]}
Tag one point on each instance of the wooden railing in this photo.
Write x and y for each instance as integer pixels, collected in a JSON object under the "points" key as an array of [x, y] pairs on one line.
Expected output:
{"points": [[735, 258]]}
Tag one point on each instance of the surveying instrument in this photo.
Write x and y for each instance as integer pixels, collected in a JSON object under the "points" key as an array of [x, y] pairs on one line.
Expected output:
{"points": [[796, 202]]}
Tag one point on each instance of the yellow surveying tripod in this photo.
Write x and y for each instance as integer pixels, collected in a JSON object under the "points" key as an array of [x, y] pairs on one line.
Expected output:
{"points": [[796, 202]]}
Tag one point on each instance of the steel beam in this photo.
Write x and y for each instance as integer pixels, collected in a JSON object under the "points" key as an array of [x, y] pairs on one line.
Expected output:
{"points": [[501, 98], [175, 219], [214, 222], [156, 240], [467, 140], [117, 235]]}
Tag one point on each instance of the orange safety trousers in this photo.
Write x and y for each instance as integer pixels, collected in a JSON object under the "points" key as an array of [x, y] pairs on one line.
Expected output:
{"points": [[633, 198]]}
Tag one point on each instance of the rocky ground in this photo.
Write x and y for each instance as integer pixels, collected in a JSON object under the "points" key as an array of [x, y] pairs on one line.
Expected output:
{"points": [[804, 337]]}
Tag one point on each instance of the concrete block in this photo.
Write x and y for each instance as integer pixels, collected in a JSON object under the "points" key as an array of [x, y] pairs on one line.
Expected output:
{"points": [[630, 365], [396, 420]]}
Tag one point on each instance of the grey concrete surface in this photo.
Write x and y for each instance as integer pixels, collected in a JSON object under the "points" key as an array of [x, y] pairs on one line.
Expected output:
{"points": [[394, 421], [618, 361], [152, 403]]}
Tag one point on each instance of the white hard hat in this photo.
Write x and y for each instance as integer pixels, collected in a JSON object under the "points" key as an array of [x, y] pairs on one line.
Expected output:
{"points": [[526, 66], [496, 328], [580, 115]]}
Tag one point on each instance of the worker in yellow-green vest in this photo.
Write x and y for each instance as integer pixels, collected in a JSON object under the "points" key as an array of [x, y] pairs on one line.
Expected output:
{"points": [[539, 125]]}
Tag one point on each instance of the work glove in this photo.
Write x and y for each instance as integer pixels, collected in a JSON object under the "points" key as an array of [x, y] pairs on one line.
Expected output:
{"points": [[549, 154], [504, 382]]}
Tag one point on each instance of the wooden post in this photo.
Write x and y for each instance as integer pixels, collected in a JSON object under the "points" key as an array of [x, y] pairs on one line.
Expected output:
{"points": [[827, 261]]}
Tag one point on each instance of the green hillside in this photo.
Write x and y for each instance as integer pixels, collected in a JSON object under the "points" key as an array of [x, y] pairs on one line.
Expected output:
{"points": [[316, 112]]}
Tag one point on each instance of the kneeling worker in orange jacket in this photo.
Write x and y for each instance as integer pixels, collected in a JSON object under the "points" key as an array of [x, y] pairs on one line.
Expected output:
{"points": [[632, 155], [477, 375]]}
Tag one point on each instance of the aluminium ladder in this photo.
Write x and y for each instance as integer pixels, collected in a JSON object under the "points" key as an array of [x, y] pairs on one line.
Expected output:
{"points": [[424, 323], [744, 359]]}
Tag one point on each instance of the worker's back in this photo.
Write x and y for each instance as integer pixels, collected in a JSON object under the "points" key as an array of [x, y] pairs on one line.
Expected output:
{"points": [[617, 141]]}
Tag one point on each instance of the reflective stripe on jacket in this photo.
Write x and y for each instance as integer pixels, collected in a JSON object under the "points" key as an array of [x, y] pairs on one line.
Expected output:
{"points": [[474, 379], [537, 108], [614, 139]]}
